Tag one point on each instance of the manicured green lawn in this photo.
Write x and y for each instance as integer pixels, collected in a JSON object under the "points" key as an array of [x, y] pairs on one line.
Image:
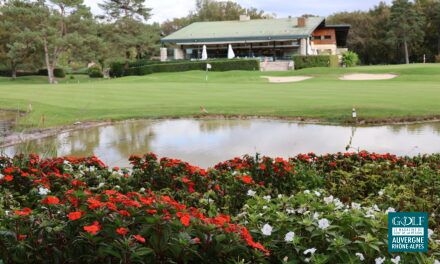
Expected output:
{"points": [[415, 92]]}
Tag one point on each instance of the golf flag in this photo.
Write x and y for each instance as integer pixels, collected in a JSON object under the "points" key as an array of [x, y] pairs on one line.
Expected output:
{"points": [[208, 66]]}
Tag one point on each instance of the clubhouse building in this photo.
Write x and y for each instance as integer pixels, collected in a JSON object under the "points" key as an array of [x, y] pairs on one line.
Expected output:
{"points": [[268, 39]]}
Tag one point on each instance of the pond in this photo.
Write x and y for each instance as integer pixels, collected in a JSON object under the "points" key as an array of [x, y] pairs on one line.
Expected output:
{"points": [[207, 142], [6, 119]]}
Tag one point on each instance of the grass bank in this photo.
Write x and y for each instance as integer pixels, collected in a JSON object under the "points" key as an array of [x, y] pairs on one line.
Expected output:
{"points": [[413, 94]]}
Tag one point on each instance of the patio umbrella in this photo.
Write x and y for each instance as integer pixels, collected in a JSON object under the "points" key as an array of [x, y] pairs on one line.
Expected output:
{"points": [[231, 53], [204, 53]]}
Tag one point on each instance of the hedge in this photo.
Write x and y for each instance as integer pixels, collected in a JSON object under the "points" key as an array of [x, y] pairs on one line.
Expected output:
{"points": [[315, 61], [118, 69], [57, 72]]}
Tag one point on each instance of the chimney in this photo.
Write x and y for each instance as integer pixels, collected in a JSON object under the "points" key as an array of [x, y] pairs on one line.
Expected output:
{"points": [[301, 22], [245, 18]]}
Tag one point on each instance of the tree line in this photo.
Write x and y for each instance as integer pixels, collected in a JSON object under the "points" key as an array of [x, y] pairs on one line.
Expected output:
{"points": [[403, 32], [49, 33]]}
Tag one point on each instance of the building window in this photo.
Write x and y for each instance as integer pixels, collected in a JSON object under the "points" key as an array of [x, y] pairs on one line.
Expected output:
{"points": [[327, 37]]}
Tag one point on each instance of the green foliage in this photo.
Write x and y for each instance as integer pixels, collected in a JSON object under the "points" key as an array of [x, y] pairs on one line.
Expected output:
{"points": [[168, 211], [117, 69], [350, 59], [58, 72], [95, 72], [148, 67], [315, 61]]}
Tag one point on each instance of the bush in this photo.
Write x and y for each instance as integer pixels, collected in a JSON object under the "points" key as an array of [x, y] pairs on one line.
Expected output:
{"points": [[315, 61], [57, 72], [117, 69], [180, 66], [350, 59], [95, 72], [437, 58]]}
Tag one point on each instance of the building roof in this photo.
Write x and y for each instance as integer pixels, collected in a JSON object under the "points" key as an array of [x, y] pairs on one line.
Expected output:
{"points": [[230, 31]]}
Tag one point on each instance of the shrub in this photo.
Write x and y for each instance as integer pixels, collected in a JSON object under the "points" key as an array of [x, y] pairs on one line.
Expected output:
{"points": [[117, 69], [315, 61], [180, 66], [437, 58], [57, 72], [350, 59], [95, 72]]}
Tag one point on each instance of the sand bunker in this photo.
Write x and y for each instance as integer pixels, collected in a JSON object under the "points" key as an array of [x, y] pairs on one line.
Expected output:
{"points": [[367, 76], [273, 79]]}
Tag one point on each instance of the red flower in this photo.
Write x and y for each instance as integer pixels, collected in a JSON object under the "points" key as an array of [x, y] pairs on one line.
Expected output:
{"points": [[94, 203], [116, 168], [8, 178], [152, 211], [21, 237], [139, 238], [23, 212], [75, 215], [122, 231], [247, 179], [93, 228], [50, 200], [124, 213], [184, 218]]}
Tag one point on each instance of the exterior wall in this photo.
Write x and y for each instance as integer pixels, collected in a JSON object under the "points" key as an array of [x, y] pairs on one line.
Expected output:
{"points": [[163, 54], [325, 49], [179, 54], [303, 47], [324, 36]]}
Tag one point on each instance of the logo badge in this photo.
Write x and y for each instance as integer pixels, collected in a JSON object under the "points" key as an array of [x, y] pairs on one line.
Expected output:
{"points": [[407, 232]]}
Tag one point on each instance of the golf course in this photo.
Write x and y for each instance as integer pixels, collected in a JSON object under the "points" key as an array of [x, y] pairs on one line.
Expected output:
{"points": [[325, 96]]}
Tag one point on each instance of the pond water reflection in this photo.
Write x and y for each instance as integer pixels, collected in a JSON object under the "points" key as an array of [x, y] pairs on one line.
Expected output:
{"points": [[207, 142], [6, 118]]}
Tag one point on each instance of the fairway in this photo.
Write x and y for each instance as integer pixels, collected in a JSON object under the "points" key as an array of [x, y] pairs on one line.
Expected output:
{"points": [[415, 92]]}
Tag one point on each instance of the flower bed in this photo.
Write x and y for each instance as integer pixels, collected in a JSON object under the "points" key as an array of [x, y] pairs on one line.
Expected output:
{"points": [[317, 209]]}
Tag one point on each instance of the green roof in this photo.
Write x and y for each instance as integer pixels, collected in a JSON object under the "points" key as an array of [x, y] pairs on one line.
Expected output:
{"points": [[260, 29]]}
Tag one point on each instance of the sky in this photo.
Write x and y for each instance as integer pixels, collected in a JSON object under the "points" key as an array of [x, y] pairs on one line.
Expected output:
{"points": [[169, 9]]}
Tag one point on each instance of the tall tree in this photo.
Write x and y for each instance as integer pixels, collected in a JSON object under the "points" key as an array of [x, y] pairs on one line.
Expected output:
{"points": [[17, 37], [128, 34], [406, 26], [63, 27], [134, 9]]}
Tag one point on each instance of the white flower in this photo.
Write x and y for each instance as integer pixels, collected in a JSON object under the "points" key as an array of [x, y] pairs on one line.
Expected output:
{"points": [[376, 208], [430, 233], [301, 210], [356, 206], [307, 260], [316, 216], [396, 260], [92, 168], [323, 223], [436, 262], [310, 250], [379, 260], [289, 236], [1, 176], [317, 193], [285, 259], [360, 256], [307, 192], [43, 191], [251, 193], [66, 162], [142, 189], [280, 196], [338, 203], [266, 230], [100, 185], [267, 198], [265, 207], [290, 210], [329, 199], [390, 210], [380, 192]]}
